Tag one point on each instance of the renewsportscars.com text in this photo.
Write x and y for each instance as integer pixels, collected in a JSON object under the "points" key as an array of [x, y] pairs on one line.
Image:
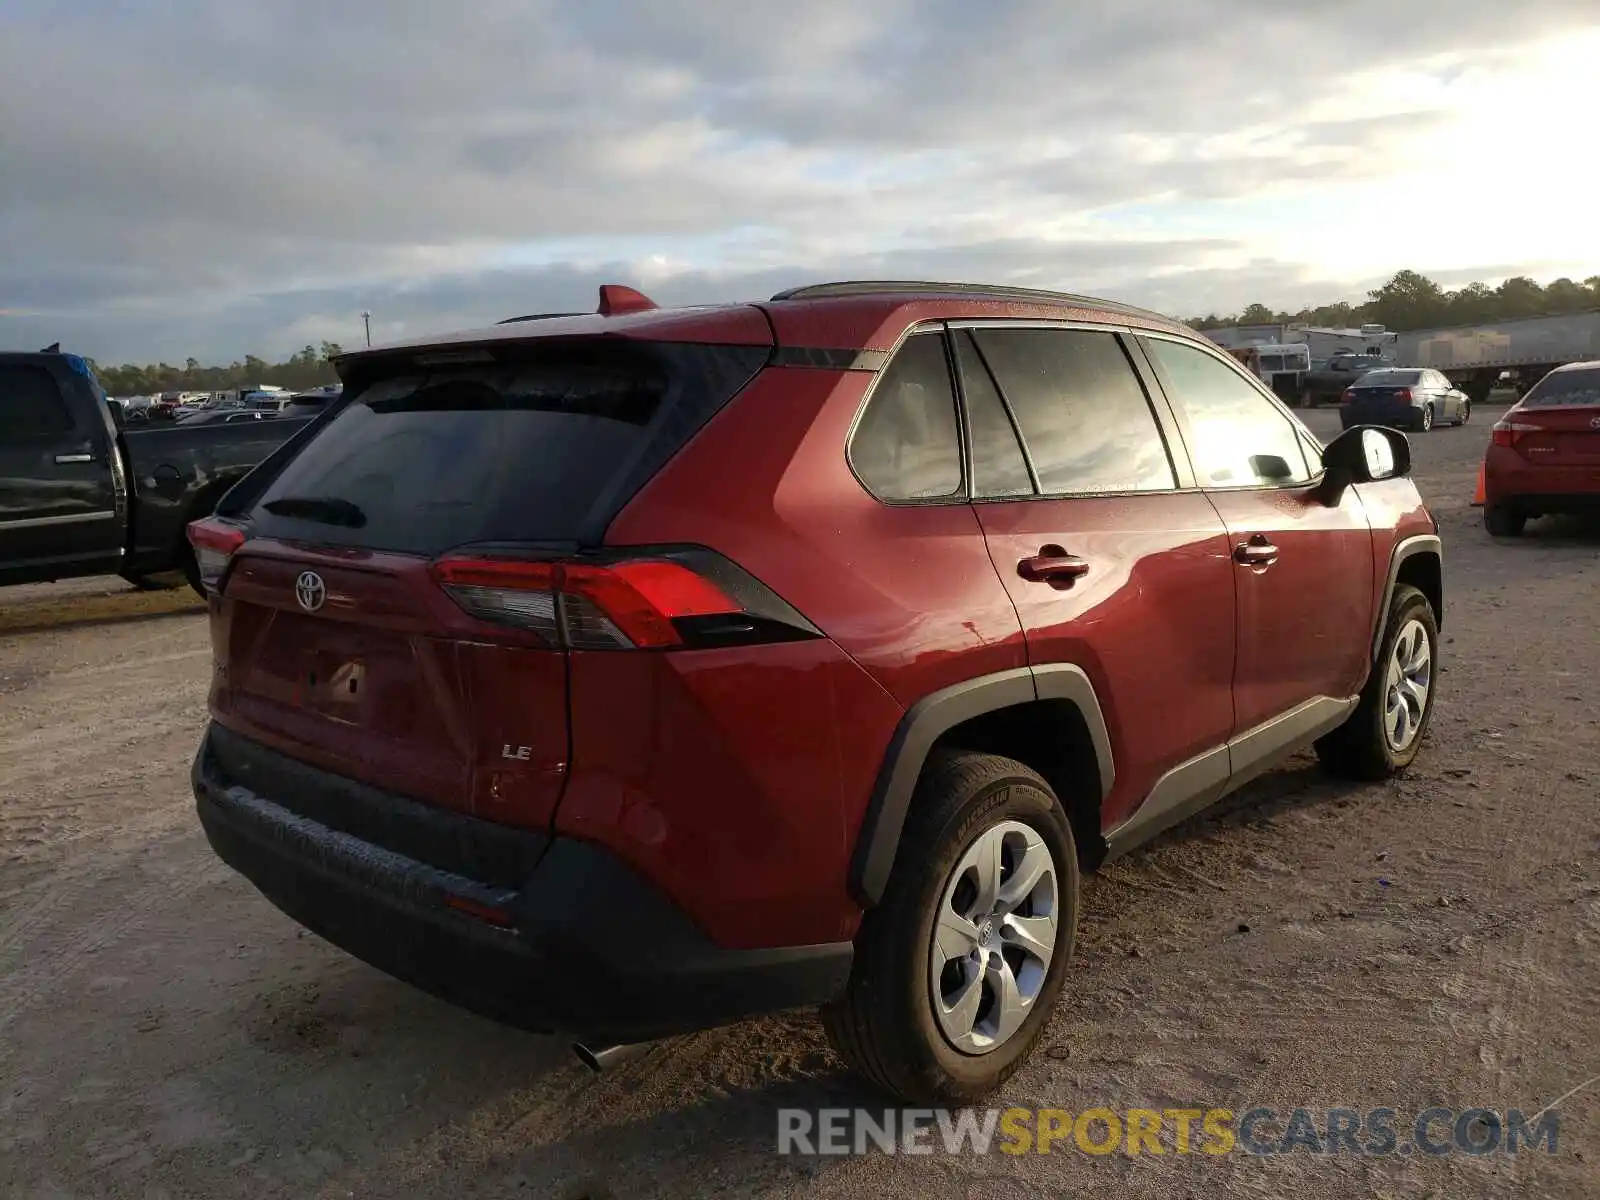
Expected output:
{"points": [[1134, 1131]]}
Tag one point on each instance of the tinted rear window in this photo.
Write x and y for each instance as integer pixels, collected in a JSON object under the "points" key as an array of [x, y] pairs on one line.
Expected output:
{"points": [[1390, 379], [1580, 388], [547, 448]]}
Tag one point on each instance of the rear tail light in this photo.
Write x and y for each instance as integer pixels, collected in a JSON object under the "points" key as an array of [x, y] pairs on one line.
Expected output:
{"points": [[214, 543], [1403, 394], [674, 599], [1348, 395], [1509, 433]]}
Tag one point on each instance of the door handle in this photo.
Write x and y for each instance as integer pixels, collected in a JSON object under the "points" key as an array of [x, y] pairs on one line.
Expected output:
{"points": [[1052, 565], [1257, 552], [64, 459]]}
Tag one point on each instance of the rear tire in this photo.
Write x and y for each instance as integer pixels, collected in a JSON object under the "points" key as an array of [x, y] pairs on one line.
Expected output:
{"points": [[1363, 747], [885, 1025], [1466, 412], [1503, 521], [1425, 421]]}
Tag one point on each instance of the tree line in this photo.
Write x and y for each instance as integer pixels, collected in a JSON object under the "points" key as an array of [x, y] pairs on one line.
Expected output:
{"points": [[1413, 301], [1410, 300], [309, 368]]}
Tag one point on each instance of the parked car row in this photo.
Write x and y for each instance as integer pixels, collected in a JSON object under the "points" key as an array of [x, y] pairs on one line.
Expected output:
{"points": [[242, 403]]}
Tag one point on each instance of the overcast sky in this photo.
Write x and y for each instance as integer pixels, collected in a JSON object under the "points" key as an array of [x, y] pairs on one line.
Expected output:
{"points": [[236, 176]]}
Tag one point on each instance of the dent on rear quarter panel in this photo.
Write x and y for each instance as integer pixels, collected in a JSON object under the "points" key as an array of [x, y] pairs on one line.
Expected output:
{"points": [[732, 779]]}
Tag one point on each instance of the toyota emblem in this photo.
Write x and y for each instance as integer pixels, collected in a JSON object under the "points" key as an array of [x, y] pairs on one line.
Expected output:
{"points": [[1594, 422], [310, 591]]}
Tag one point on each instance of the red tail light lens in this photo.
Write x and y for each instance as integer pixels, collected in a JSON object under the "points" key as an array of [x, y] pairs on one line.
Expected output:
{"points": [[630, 603], [1403, 394], [214, 543], [1347, 396], [1509, 433]]}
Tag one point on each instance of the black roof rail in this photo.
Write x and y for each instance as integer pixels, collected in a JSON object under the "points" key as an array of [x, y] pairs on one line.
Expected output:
{"points": [[881, 287], [537, 317]]}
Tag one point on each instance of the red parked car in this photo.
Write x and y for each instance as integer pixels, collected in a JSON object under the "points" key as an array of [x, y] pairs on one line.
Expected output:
{"points": [[624, 674], [1544, 456]]}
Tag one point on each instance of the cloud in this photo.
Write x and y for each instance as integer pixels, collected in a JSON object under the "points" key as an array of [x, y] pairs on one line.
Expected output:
{"points": [[219, 179]]}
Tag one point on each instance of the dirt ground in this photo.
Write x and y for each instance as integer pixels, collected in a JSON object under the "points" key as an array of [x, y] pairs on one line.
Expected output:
{"points": [[164, 1032]]}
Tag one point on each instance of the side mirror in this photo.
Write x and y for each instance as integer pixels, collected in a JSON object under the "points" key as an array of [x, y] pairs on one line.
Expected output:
{"points": [[1365, 454]]}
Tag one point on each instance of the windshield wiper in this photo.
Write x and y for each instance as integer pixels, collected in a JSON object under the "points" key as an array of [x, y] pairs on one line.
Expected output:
{"points": [[329, 510]]}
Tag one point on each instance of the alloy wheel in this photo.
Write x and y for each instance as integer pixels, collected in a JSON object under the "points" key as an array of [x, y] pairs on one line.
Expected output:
{"points": [[1406, 688], [994, 937]]}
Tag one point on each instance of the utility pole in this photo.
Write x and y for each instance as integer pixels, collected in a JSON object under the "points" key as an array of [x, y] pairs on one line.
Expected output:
{"points": [[366, 320]]}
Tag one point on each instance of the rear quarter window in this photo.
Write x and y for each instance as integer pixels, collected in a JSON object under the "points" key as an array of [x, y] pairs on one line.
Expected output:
{"points": [[906, 446]]}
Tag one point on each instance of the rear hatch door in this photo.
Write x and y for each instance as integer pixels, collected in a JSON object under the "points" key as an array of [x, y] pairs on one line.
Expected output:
{"points": [[340, 646]]}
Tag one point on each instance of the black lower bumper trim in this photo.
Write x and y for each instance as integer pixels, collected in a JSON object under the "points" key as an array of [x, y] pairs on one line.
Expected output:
{"points": [[594, 951], [1553, 503]]}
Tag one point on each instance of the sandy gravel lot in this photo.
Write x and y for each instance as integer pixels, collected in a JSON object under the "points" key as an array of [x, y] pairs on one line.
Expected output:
{"points": [[164, 1032]]}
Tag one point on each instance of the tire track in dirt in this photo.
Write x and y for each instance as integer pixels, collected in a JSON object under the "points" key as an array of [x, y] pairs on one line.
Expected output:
{"points": [[72, 777], [70, 919]]}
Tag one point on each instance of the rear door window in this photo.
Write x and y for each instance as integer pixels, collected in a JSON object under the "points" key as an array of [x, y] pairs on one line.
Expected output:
{"points": [[31, 405], [547, 448], [906, 445], [1085, 419]]}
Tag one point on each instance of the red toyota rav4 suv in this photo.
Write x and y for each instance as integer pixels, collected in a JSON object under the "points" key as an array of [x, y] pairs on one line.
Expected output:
{"points": [[623, 674]]}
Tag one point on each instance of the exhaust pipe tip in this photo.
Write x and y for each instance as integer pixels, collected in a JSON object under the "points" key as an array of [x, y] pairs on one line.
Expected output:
{"points": [[602, 1058]]}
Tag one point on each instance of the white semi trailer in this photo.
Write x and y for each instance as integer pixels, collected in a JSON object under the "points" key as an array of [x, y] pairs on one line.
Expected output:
{"points": [[1477, 357]]}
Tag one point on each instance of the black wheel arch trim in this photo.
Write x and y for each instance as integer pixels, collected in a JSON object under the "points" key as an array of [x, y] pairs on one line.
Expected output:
{"points": [[930, 718], [1411, 547]]}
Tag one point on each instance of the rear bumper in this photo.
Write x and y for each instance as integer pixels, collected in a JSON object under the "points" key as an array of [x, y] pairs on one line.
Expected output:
{"points": [[1509, 478], [589, 949], [1392, 416]]}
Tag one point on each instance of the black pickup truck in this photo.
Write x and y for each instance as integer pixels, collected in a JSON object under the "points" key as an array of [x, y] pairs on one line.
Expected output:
{"points": [[81, 495], [1328, 382]]}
